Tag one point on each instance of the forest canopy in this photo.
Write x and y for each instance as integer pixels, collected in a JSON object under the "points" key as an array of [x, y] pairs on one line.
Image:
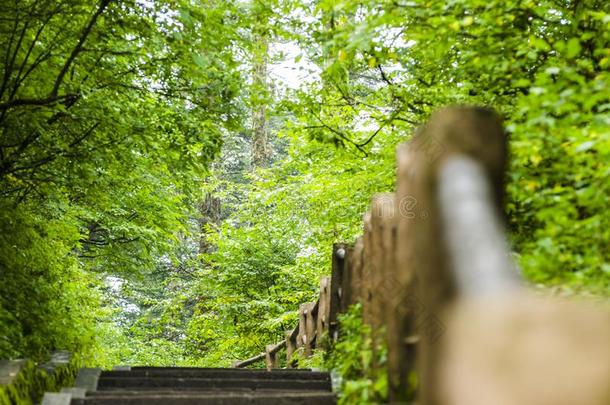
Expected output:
{"points": [[173, 174]]}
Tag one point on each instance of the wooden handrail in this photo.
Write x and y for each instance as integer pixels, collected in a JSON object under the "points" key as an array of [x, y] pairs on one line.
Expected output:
{"points": [[434, 275], [250, 361], [315, 319], [470, 218]]}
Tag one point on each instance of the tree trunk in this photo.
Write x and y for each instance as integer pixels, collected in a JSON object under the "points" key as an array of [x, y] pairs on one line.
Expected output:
{"points": [[209, 210], [261, 150]]}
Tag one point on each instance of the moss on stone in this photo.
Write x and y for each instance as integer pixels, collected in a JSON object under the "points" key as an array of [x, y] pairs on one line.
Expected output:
{"points": [[29, 386]]}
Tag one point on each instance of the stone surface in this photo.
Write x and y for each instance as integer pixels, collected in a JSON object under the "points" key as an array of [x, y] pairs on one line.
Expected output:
{"points": [[143, 383], [75, 392], [56, 398], [58, 359], [87, 378], [186, 386], [214, 399], [9, 369]]}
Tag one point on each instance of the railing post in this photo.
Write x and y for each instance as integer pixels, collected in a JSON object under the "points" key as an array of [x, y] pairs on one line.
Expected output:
{"points": [[307, 328], [381, 266], [291, 346], [367, 266], [302, 335], [355, 264], [271, 360], [404, 305], [310, 327], [346, 280], [478, 134], [323, 310], [338, 262]]}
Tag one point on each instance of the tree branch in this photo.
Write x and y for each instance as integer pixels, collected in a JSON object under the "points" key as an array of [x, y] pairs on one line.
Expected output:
{"points": [[383, 125], [391, 84], [8, 168], [77, 49], [37, 101], [338, 133], [7, 67], [18, 78]]}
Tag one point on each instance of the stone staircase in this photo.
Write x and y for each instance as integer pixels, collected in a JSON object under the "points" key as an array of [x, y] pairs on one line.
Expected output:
{"points": [[188, 386]]}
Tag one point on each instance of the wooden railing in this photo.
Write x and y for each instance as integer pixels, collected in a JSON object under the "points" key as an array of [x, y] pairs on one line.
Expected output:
{"points": [[434, 274], [316, 320]]}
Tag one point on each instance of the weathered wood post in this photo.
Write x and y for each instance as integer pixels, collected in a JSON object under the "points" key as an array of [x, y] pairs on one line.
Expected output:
{"points": [[291, 346], [502, 343], [346, 280], [311, 320], [307, 327], [338, 263], [404, 308], [455, 131], [367, 270], [302, 333], [355, 264], [379, 203], [271, 360], [322, 324], [381, 266]]}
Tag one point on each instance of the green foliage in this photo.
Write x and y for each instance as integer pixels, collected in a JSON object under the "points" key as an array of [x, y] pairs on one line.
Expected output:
{"points": [[276, 243], [544, 65], [145, 321], [351, 359], [384, 67], [29, 386], [44, 302], [109, 115], [316, 361]]}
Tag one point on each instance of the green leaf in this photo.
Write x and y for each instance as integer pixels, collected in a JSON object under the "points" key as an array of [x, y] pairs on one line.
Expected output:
{"points": [[573, 48]]}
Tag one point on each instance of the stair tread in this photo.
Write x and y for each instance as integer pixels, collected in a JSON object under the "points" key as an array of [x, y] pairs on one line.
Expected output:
{"points": [[211, 386], [208, 391], [211, 398], [207, 373], [107, 383], [118, 394], [275, 370]]}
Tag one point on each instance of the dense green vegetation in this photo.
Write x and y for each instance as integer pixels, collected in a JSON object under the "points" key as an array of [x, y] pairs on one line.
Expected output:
{"points": [[29, 386], [109, 113], [137, 223]]}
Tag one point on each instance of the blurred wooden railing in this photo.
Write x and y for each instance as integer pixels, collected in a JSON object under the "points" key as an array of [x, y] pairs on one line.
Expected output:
{"points": [[434, 274], [316, 320]]}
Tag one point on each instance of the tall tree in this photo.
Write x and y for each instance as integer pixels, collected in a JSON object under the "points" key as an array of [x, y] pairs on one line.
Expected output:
{"points": [[261, 148], [109, 113]]}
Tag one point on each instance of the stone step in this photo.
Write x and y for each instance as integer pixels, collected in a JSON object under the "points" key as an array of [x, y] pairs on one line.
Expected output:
{"points": [[146, 383], [189, 386], [217, 373], [225, 398], [221, 370], [210, 391]]}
